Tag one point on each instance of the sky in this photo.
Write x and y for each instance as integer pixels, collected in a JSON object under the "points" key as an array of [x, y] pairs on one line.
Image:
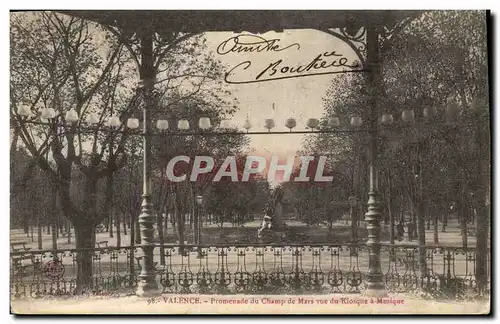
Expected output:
{"points": [[299, 98]]}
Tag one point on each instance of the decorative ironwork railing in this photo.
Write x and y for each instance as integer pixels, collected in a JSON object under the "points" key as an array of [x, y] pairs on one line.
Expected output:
{"points": [[448, 272]]}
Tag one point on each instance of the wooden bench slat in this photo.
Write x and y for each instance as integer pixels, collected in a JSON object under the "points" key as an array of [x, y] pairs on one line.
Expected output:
{"points": [[22, 257], [16, 246]]}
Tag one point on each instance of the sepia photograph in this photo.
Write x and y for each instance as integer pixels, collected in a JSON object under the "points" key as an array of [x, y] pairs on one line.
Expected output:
{"points": [[250, 162]]}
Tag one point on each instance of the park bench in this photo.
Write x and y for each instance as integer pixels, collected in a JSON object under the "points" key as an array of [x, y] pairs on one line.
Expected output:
{"points": [[19, 269], [101, 244], [100, 228], [16, 247], [65, 233]]}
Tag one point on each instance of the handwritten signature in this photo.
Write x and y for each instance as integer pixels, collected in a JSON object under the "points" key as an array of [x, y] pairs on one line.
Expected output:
{"points": [[322, 64], [246, 43]]}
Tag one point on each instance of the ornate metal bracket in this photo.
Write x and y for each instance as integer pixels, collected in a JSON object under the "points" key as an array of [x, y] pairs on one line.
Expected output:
{"points": [[162, 43], [357, 41]]}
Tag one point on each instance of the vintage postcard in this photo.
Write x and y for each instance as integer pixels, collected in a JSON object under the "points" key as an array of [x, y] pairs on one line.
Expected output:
{"points": [[250, 162]]}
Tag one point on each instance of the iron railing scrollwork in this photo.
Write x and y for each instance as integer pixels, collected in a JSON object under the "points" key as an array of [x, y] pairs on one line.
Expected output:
{"points": [[251, 268]]}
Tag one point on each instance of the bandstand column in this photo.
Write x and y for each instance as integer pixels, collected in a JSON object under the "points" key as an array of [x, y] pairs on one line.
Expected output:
{"points": [[147, 285], [376, 285]]}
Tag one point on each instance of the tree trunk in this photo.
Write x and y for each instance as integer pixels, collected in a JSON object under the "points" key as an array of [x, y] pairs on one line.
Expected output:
{"points": [[173, 221], [124, 225], [137, 231], [26, 224], [118, 232], [13, 150], [463, 222], [391, 220], [422, 261], [402, 210], [58, 224], [109, 205], [482, 252], [354, 224], [84, 226], [69, 232], [195, 215], [445, 220], [39, 232], [389, 208], [54, 237], [436, 226], [483, 209], [159, 226], [132, 230], [421, 239], [179, 219], [414, 216], [167, 216], [53, 205], [180, 227], [161, 202], [110, 225], [84, 239]]}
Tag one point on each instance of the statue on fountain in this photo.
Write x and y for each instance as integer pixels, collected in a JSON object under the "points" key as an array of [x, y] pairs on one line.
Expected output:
{"points": [[273, 226], [266, 232]]}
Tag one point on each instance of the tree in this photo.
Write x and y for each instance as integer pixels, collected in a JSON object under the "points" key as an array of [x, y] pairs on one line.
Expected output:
{"points": [[318, 202], [65, 63], [436, 60], [68, 73]]}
